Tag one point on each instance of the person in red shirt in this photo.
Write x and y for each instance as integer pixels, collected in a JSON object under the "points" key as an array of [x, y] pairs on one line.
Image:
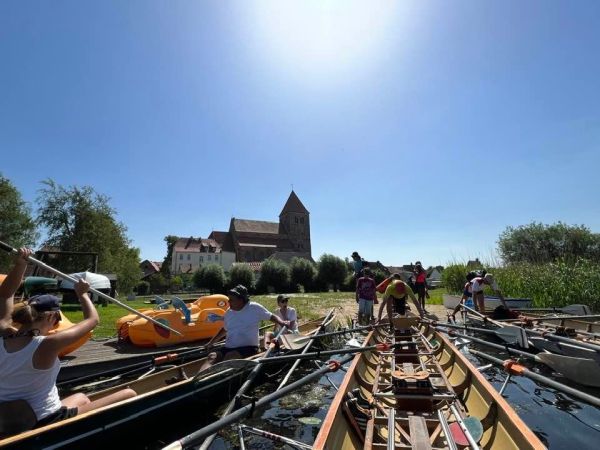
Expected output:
{"points": [[366, 295]]}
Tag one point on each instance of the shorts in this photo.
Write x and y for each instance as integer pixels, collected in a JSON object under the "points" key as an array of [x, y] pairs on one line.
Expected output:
{"points": [[420, 288], [245, 352], [365, 307], [400, 305], [61, 414]]}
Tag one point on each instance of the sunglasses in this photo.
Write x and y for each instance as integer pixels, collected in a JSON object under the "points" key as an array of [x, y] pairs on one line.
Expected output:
{"points": [[283, 301]]}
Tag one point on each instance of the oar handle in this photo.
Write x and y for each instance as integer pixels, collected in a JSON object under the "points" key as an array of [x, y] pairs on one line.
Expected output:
{"points": [[74, 280]]}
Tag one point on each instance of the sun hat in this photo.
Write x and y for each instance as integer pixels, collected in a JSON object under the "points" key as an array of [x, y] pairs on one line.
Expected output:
{"points": [[489, 279]]}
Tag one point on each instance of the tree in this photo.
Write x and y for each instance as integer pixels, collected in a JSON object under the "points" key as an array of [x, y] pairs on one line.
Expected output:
{"points": [[303, 272], [17, 227], [539, 243], [211, 277], [78, 219], [241, 274], [176, 283], [332, 270], [165, 269], [274, 273], [158, 283]]}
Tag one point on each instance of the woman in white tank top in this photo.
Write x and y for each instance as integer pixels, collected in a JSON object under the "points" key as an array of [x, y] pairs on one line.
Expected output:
{"points": [[29, 361]]}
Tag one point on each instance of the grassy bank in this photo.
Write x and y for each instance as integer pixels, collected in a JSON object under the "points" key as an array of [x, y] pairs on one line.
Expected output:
{"points": [[309, 306]]}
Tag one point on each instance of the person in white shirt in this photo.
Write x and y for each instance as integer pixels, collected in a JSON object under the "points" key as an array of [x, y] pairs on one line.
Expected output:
{"points": [[477, 285], [241, 323], [286, 312]]}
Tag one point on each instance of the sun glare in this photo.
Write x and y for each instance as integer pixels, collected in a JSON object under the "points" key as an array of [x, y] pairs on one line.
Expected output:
{"points": [[322, 39]]}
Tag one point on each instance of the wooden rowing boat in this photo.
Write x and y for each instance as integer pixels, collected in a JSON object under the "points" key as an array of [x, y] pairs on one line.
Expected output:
{"points": [[416, 397], [168, 392]]}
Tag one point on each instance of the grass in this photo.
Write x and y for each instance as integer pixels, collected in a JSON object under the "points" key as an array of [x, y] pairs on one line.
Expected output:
{"points": [[308, 306]]}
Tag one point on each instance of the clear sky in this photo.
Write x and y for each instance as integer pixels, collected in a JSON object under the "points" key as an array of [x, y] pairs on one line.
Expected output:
{"points": [[410, 130]]}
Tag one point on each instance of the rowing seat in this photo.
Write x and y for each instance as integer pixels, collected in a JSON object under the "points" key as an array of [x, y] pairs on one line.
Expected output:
{"points": [[419, 434], [16, 416], [356, 415]]}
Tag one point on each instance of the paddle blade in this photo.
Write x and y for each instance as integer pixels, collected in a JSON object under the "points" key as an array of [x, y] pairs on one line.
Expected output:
{"points": [[513, 335]]}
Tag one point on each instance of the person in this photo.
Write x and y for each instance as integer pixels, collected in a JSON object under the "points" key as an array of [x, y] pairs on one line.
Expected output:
{"points": [[467, 294], [241, 323], [357, 264], [286, 312], [420, 275], [366, 295], [29, 361], [477, 286], [394, 298]]}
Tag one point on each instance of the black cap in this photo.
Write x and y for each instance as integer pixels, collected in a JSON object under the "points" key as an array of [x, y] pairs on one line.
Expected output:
{"points": [[45, 302], [282, 297], [239, 291]]}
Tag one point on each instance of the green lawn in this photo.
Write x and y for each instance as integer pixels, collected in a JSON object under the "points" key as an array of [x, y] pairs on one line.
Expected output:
{"points": [[309, 306]]}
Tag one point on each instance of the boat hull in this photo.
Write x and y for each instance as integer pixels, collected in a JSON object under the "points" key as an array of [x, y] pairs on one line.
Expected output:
{"points": [[491, 302]]}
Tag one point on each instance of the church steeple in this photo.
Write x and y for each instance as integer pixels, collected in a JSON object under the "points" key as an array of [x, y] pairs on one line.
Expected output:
{"points": [[293, 205], [295, 225]]}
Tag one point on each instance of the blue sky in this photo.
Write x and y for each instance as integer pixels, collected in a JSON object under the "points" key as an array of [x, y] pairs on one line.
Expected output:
{"points": [[410, 130]]}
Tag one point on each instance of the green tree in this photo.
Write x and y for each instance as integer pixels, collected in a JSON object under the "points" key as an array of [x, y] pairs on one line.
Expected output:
{"points": [[275, 274], [158, 283], [241, 274], [143, 288], [78, 219], [332, 270], [539, 243], [17, 227], [165, 269], [176, 283], [303, 272], [211, 277]]}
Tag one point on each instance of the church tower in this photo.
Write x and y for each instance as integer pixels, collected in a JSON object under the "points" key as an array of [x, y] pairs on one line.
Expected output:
{"points": [[295, 224]]}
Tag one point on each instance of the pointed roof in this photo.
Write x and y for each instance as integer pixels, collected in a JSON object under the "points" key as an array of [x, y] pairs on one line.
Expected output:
{"points": [[293, 204]]}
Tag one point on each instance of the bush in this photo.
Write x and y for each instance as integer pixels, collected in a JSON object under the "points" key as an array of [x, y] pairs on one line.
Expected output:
{"points": [[176, 283], [143, 288], [303, 272], [454, 278], [158, 283], [275, 274], [241, 274], [211, 277], [332, 270], [379, 275]]}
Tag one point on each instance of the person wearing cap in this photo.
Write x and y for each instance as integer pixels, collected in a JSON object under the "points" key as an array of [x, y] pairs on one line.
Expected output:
{"points": [[394, 298], [29, 361], [286, 312], [477, 286], [366, 295], [241, 323]]}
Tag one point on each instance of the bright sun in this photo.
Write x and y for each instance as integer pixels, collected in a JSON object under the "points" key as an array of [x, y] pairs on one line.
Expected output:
{"points": [[322, 39]]}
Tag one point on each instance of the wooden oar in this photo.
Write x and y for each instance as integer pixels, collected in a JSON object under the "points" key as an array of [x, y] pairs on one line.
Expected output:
{"points": [[305, 350], [233, 404], [335, 333], [195, 437], [575, 309], [482, 316], [514, 368], [74, 280]]}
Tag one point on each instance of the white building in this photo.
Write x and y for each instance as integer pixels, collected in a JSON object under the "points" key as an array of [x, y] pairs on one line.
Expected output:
{"points": [[190, 254]]}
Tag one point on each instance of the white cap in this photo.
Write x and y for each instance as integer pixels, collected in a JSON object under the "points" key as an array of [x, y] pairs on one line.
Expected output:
{"points": [[489, 279]]}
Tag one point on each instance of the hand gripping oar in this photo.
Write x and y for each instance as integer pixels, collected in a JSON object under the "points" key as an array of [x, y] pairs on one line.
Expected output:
{"points": [[193, 439], [516, 369], [304, 350], [74, 280], [235, 402]]}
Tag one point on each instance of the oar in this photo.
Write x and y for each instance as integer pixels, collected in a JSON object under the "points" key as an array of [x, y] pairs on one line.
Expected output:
{"points": [[195, 437], [516, 369], [482, 316], [74, 280], [510, 335], [576, 309], [235, 402], [304, 350], [274, 437], [335, 333]]}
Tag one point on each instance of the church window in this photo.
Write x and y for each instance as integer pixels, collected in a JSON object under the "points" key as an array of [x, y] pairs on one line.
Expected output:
{"points": [[301, 219], [296, 219]]}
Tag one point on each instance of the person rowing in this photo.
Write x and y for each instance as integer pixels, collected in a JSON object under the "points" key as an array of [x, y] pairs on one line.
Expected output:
{"points": [[29, 353], [241, 323], [394, 299]]}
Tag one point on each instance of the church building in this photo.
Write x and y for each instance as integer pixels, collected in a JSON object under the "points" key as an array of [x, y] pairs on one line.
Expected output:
{"points": [[249, 241]]}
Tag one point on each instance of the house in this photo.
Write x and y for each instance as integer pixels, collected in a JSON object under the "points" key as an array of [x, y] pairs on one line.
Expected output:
{"points": [[474, 263], [434, 276], [149, 268], [189, 254]]}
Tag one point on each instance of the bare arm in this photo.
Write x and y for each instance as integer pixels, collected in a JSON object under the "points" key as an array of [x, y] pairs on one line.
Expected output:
{"points": [[10, 286], [499, 292], [415, 301], [384, 302], [278, 321], [216, 338]]}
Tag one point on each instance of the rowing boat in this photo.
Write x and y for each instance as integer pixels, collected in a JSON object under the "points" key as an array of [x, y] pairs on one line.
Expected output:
{"points": [[168, 393], [491, 302], [423, 395]]}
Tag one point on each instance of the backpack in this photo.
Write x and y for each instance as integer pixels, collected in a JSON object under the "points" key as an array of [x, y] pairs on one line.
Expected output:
{"points": [[476, 273]]}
